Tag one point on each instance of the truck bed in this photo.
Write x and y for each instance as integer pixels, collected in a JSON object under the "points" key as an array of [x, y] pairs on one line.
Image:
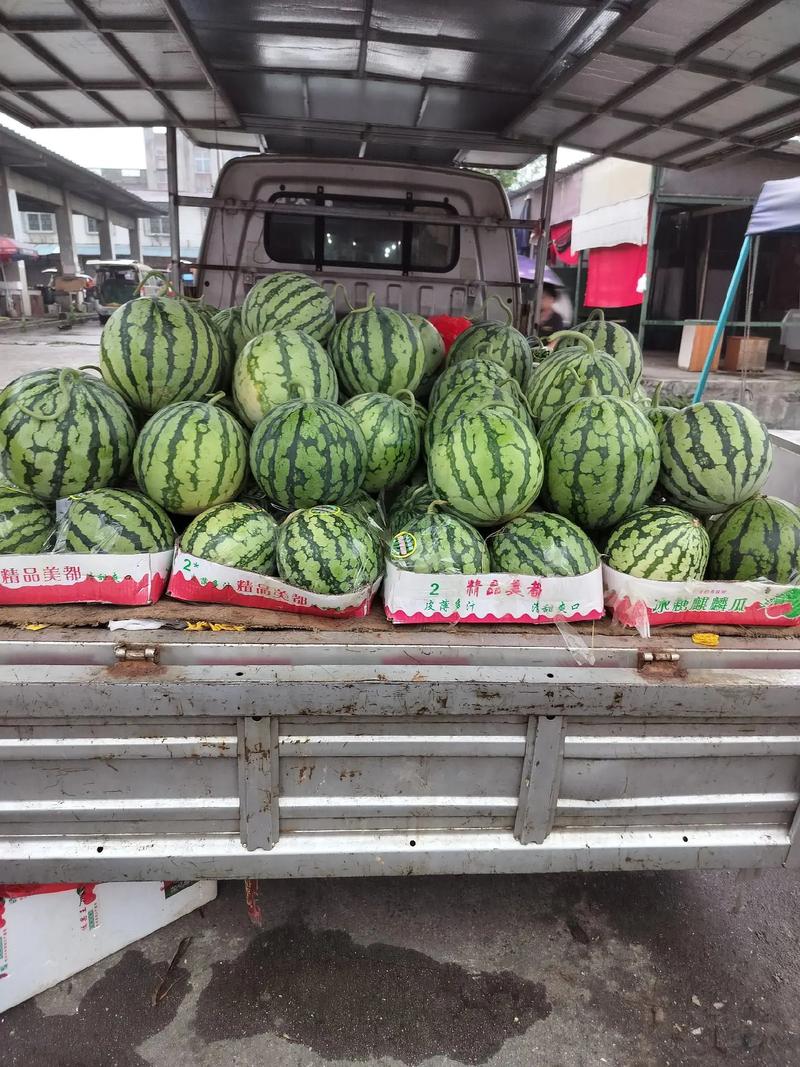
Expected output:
{"points": [[300, 747]]}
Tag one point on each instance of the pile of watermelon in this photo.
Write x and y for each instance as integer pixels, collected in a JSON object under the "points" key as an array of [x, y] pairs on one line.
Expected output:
{"points": [[279, 440]]}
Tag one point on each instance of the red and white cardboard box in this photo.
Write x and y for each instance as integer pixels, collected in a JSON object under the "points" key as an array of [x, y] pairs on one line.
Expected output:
{"points": [[641, 603], [199, 581], [491, 598], [84, 578], [50, 932]]}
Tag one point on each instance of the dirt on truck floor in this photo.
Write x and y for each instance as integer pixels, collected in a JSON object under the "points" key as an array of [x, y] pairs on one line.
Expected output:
{"points": [[629, 970]]}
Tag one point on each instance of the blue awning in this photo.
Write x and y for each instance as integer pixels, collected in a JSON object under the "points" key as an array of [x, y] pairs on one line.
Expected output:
{"points": [[777, 209]]}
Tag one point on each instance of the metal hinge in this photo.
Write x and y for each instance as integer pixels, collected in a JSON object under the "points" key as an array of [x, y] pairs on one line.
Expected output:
{"points": [[646, 658], [136, 653]]}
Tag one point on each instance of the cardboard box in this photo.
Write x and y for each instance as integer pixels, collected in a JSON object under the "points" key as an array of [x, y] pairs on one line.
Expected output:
{"points": [[50, 932], [695, 340], [84, 578], [641, 603], [199, 581], [491, 598]]}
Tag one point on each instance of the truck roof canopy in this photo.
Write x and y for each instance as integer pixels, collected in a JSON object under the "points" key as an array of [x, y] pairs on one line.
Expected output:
{"points": [[663, 81]]}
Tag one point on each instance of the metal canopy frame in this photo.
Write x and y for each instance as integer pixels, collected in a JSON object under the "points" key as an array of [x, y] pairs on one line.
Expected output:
{"points": [[593, 61]]}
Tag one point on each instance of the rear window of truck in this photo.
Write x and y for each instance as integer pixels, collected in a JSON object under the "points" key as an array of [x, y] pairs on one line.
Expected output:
{"points": [[385, 244]]}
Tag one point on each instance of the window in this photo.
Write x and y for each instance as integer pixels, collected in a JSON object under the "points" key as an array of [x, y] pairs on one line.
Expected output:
{"points": [[202, 161], [161, 160], [159, 226], [92, 225], [40, 222], [390, 244]]}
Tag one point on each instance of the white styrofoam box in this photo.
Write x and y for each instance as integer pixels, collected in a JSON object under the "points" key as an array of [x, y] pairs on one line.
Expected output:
{"points": [[49, 933]]}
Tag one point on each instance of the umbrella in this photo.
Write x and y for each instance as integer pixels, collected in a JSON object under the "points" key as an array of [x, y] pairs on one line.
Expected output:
{"points": [[13, 250], [527, 271]]}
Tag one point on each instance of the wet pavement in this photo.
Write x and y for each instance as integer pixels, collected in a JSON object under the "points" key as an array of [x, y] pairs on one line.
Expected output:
{"points": [[23, 350], [629, 970]]}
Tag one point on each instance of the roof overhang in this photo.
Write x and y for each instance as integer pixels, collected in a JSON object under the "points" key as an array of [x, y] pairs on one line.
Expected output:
{"points": [[667, 82]]}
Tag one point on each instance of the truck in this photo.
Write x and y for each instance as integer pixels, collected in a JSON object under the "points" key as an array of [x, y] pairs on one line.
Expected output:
{"points": [[180, 741]]}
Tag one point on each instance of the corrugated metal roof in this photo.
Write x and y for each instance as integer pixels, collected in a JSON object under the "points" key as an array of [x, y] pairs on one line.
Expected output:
{"points": [[673, 82]]}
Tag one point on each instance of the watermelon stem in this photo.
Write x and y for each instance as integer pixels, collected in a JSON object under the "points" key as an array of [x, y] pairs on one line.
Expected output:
{"points": [[435, 504], [503, 305], [66, 380], [166, 289], [411, 403], [340, 288], [586, 341], [216, 397], [656, 398], [90, 366], [596, 314]]}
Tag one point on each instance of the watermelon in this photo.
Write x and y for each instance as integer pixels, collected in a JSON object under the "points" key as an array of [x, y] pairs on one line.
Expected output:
{"points": [[26, 524], [412, 501], [288, 301], [277, 366], [477, 372], [713, 455], [468, 398], [614, 339], [157, 350], [543, 544], [114, 522], [657, 412], [236, 534], [437, 543], [487, 466], [392, 434], [433, 346], [377, 350], [190, 456], [601, 460], [366, 508], [567, 375], [229, 326], [326, 550], [421, 415], [662, 543], [497, 342], [759, 538], [308, 452], [63, 432]]}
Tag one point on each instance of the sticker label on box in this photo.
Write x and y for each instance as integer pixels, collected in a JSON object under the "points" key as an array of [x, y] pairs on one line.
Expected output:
{"points": [[491, 598]]}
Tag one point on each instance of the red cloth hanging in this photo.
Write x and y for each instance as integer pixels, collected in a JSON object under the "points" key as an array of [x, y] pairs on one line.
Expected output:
{"points": [[614, 276], [560, 238]]}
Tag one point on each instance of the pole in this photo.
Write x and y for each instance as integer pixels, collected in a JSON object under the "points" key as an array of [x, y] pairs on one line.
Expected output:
{"points": [[736, 277], [752, 266], [174, 216], [701, 299], [544, 233], [655, 179]]}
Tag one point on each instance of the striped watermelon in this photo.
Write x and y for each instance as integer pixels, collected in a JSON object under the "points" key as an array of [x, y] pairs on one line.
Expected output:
{"points": [[421, 415], [714, 455], [662, 543], [308, 452], [26, 524], [657, 412], [236, 534], [392, 435], [601, 460], [498, 342], [437, 543], [277, 366], [412, 501], [366, 508], [570, 374], [157, 351], [487, 466], [433, 346], [473, 372], [62, 432], [544, 544], [759, 538], [190, 456], [114, 522], [326, 550], [377, 350], [288, 301], [469, 398], [614, 339], [229, 326]]}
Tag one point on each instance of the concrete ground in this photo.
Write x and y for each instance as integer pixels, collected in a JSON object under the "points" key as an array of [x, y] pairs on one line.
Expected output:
{"points": [[629, 970]]}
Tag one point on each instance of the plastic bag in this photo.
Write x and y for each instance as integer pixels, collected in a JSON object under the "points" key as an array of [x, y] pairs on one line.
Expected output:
{"points": [[113, 522]]}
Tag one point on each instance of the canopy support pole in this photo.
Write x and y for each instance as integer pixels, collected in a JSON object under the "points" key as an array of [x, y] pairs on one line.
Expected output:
{"points": [[544, 233], [174, 211], [724, 315]]}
